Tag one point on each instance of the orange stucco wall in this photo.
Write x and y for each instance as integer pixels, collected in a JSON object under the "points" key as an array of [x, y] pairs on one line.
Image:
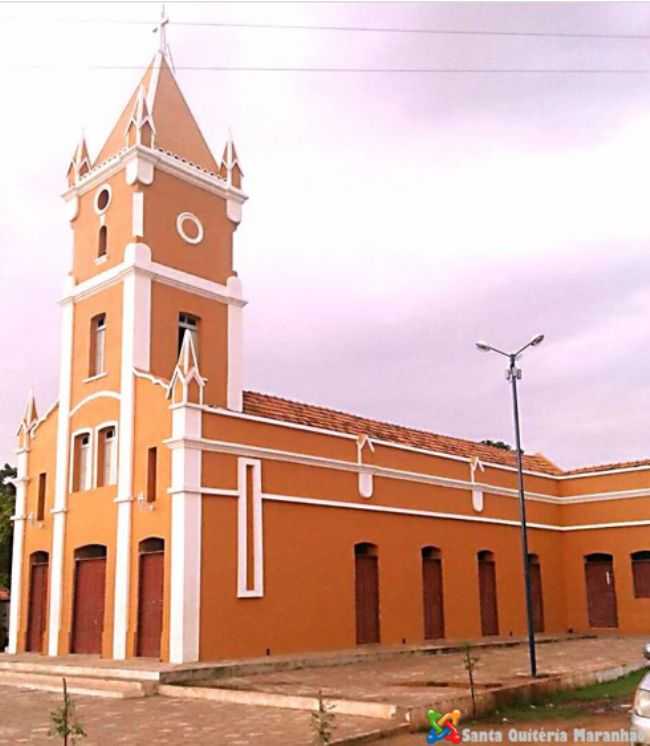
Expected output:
{"points": [[419, 498]]}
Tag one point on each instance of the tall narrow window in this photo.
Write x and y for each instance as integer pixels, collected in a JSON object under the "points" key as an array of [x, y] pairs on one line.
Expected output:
{"points": [[97, 344], [82, 463], [641, 574], [152, 458], [101, 243], [40, 506], [187, 322], [106, 456]]}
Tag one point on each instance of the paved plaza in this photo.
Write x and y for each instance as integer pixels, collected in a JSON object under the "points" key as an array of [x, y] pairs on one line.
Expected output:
{"points": [[409, 681]]}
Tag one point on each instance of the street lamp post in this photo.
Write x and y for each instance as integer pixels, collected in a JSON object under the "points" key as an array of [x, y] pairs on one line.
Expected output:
{"points": [[513, 374]]}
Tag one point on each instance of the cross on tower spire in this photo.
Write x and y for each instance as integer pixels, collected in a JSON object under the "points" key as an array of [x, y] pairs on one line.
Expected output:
{"points": [[161, 29]]}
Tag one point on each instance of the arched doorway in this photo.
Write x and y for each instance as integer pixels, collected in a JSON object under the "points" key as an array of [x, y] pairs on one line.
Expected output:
{"points": [[367, 593], [88, 605], [535, 571], [38, 576], [434, 626], [601, 590], [487, 581], [150, 596]]}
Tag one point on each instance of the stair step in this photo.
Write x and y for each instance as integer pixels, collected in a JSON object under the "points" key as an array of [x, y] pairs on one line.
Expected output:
{"points": [[92, 687]]}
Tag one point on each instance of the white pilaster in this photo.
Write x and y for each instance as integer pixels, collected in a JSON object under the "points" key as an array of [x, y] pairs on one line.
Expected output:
{"points": [[61, 480], [136, 321], [19, 562], [235, 348], [185, 601]]}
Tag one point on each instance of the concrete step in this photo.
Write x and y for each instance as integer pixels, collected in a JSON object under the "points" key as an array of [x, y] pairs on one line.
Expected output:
{"points": [[52, 668], [91, 687]]}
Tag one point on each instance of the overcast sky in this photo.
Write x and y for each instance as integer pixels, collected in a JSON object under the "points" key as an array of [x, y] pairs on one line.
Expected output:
{"points": [[393, 218]]}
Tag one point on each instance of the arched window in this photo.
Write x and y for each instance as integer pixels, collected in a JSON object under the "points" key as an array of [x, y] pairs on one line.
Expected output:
{"points": [[101, 243], [107, 456], [641, 573], [90, 551], [151, 545], [97, 345]]}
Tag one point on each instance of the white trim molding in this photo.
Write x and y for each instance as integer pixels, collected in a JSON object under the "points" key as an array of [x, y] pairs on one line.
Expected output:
{"points": [[149, 159], [91, 397], [136, 324], [180, 229], [448, 516], [102, 188], [19, 561], [61, 481], [243, 591], [137, 259], [186, 535], [235, 394]]}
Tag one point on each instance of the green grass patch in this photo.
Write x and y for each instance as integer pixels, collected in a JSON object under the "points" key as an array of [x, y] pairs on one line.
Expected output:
{"points": [[572, 703]]}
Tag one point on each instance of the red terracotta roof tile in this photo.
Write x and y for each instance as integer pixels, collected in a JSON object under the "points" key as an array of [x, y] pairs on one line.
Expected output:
{"points": [[276, 408], [607, 467]]}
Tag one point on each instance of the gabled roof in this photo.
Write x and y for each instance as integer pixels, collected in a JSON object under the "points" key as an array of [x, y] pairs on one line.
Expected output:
{"points": [[176, 128], [276, 408]]}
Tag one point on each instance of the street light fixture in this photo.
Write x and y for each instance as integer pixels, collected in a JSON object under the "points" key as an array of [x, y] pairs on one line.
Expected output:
{"points": [[513, 374]]}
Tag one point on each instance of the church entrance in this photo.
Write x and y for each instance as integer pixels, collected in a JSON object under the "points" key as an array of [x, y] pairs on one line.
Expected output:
{"points": [[150, 597], [89, 592], [39, 567]]}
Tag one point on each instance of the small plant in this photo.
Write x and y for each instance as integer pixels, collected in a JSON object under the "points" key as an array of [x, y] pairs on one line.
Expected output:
{"points": [[64, 723], [323, 722], [469, 662]]}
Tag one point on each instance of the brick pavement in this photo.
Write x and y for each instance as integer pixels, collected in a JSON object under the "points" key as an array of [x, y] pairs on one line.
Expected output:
{"points": [[407, 681], [112, 722]]}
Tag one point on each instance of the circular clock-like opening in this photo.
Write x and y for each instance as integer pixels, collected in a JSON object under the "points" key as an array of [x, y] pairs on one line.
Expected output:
{"points": [[102, 199], [189, 228]]}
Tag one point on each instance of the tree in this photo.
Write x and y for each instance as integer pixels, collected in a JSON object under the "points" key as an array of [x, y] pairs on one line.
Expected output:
{"points": [[64, 721], [7, 508], [497, 444]]}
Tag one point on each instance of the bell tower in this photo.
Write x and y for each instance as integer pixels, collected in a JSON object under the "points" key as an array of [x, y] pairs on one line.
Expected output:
{"points": [[153, 218]]}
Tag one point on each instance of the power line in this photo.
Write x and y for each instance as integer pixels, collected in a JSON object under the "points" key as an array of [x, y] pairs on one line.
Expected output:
{"points": [[403, 30], [362, 29], [363, 70]]}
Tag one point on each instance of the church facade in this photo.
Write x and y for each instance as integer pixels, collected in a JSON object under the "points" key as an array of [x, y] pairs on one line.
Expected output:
{"points": [[164, 512]]}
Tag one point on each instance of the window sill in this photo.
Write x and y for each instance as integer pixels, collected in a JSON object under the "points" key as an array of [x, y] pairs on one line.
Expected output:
{"points": [[95, 378], [101, 259]]}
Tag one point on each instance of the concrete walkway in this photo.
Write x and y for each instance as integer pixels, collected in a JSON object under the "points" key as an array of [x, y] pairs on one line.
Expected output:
{"points": [[418, 680]]}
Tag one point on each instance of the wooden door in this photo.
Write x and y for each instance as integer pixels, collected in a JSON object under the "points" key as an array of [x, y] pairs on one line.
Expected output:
{"points": [[536, 595], [88, 615], [150, 604], [367, 599], [601, 592], [488, 594], [37, 606], [432, 594]]}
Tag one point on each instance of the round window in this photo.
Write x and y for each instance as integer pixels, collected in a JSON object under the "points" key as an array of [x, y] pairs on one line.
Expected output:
{"points": [[102, 199], [189, 228]]}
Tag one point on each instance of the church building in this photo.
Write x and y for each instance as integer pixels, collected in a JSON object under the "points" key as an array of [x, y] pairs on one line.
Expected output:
{"points": [[164, 512]]}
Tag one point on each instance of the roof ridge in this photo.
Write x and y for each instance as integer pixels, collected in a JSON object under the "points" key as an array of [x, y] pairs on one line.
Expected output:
{"points": [[498, 453]]}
